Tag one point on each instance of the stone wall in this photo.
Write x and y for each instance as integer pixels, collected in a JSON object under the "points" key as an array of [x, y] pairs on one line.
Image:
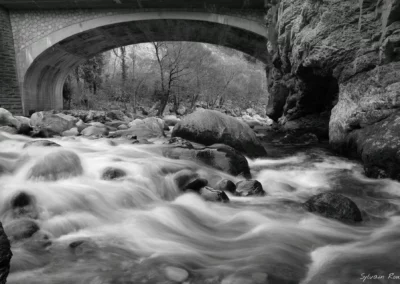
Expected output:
{"points": [[31, 25], [9, 91]]}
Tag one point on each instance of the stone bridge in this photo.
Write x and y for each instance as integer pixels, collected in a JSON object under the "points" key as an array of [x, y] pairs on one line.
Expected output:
{"points": [[41, 41]]}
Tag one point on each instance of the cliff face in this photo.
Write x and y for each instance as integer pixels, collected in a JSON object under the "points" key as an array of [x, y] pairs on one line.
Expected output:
{"points": [[338, 61]]}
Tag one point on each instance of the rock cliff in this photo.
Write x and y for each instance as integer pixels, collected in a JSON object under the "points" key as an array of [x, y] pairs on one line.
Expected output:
{"points": [[338, 60]]}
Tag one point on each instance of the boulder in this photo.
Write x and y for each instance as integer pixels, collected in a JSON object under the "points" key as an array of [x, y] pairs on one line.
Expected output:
{"points": [[99, 116], [20, 229], [249, 188], [95, 131], [220, 157], [5, 255], [56, 165], [214, 195], [122, 127], [112, 174], [23, 205], [54, 124], [7, 119], [171, 120], [179, 142], [72, 132], [25, 127], [81, 125], [226, 185], [41, 143], [147, 128], [334, 206], [209, 127], [183, 178], [115, 123]]}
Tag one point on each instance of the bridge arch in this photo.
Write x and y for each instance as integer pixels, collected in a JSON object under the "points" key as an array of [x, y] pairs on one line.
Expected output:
{"points": [[44, 65]]}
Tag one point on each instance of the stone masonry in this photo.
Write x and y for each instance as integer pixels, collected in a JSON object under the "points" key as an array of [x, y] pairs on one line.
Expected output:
{"points": [[10, 97]]}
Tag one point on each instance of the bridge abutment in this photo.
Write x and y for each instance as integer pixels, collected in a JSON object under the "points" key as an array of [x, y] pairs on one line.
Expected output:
{"points": [[10, 96]]}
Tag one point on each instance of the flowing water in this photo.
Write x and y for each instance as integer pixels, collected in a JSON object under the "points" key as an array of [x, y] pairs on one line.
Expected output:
{"points": [[133, 230]]}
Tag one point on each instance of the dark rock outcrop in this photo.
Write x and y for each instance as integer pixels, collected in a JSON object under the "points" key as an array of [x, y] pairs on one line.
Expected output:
{"points": [[56, 165], [249, 188], [209, 127], [23, 205], [5, 255], [340, 58], [334, 206]]}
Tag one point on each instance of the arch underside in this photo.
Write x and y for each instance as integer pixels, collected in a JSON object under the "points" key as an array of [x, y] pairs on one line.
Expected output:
{"points": [[45, 77]]}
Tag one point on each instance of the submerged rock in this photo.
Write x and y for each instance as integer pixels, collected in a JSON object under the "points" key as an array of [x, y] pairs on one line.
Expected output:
{"points": [[334, 206], [113, 173], [23, 205], [21, 229], [5, 255], [56, 165], [210, 127], [176, 274], [214, 195], [41, 143], [249, 188]]}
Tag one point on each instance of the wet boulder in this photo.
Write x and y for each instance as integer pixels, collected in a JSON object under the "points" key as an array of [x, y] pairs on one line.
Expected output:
{"points": [[210, 127], [5, 255], [214, 195], [220, 157], [23, 205], [113, 173], [7, 119], [187, 179], [72, 132], [25, 127], [21, 229], [41, 143], [147, 128], [56, 165], [81, 125], [249, 188], [226, 185], [95, 131], [52, 123], [334, 206], [179, 142]]}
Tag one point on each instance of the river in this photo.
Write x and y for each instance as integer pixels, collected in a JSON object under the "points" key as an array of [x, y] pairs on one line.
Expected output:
{"points": [[133, 230]]}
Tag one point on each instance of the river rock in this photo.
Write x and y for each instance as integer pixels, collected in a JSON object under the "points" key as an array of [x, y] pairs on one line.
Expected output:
{"points": [[221, 157], [209, 127], [183, 178], [214, 195], [334, 206], [56, 165], [23, 205], [25, 127], [115, 115], [249, 188], [41, 143], [112, 174], [72, 132], [96, 131], [54, 124], [226, 185], [5, 255], [7, 119], [20, 229], [147, 128], [115, 123], [81, 125], [179, 142]]}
